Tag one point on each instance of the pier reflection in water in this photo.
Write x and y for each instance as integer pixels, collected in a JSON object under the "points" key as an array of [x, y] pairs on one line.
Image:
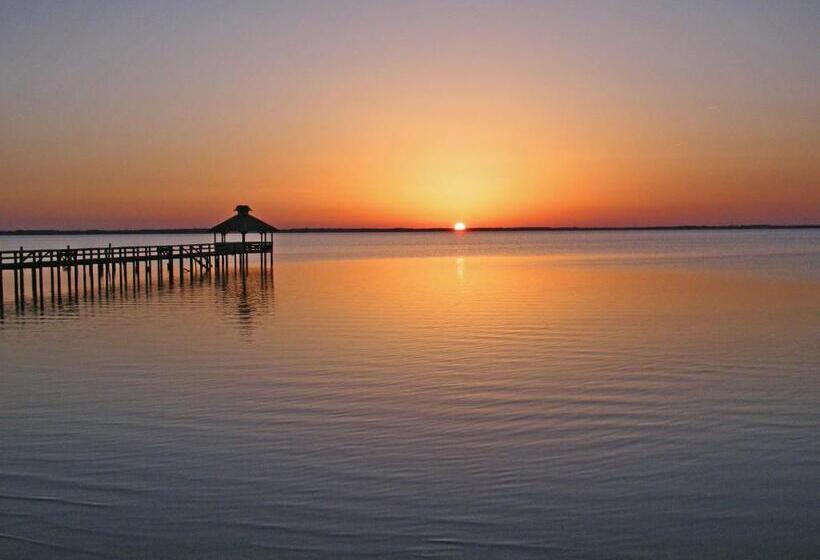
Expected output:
{"points": [[240, 294]]}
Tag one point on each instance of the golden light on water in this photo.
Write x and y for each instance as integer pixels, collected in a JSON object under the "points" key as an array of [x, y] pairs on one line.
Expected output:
{"points": [[459, 226]]}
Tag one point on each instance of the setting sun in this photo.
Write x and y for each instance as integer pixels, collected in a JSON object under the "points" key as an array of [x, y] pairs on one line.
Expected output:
{"points": [[459, 226]]}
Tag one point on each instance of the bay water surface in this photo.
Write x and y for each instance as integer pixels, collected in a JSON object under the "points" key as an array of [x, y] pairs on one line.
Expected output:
{"points": [[426, 395]]}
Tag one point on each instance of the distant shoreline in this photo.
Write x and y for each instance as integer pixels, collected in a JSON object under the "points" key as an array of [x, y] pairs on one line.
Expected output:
{"points": [[166, 231]]}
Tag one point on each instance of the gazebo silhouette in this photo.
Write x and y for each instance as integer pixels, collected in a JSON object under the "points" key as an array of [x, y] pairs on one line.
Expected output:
{"points": [[243, 223]]}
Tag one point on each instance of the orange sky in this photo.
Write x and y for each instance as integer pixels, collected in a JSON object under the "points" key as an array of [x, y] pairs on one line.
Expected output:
{"points": [[381, 114]]}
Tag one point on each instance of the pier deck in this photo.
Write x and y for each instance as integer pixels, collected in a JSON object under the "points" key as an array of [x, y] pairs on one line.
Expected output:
{"points": [[114, 267]]}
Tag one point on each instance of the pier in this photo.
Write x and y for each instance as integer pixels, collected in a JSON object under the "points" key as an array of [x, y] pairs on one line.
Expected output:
{"points": [[93, 271], [75, 272]]}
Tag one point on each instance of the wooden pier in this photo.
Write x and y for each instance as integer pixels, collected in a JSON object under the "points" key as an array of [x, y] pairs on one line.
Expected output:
{"points": [[90, 271]]}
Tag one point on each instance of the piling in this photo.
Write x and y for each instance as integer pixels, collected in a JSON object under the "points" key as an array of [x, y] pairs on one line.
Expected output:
{"points": [[34, 286], [40, 284], [59, 285]]}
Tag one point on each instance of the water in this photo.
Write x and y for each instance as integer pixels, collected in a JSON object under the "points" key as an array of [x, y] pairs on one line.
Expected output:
{"points": [[493, 395]]}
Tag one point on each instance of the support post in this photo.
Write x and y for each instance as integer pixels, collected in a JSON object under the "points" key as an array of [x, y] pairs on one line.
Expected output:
{"points": [[16, 282], [40, 285], [91, 277], [22, 281], [59, 284], [34, 299]]}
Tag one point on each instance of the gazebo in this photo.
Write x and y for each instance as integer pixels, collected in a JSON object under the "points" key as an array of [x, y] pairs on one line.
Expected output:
{"points": [[243, 223]]}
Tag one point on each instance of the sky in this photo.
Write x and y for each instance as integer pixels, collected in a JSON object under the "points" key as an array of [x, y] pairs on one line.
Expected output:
{"points": [[415, 114]]}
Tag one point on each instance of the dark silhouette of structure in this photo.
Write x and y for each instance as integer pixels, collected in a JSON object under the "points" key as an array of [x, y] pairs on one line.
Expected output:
{"points": [[102, 269], [243, 223]]}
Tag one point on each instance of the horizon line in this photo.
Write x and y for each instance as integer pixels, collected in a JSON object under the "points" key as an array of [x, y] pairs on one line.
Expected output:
{"points": [[153, 231]]}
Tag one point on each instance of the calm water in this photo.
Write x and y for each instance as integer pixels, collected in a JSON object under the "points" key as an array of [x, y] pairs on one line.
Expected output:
{"points": [[538, 395]]}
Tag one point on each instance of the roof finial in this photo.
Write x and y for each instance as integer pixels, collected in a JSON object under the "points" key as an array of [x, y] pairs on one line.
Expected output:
{"points": [[243, 209]]}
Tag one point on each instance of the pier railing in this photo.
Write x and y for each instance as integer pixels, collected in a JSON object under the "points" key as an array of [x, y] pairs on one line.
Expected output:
{"points": [[90, 269], [38, 258]]}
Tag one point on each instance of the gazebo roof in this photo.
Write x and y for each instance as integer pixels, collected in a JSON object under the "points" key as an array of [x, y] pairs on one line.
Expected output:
{"points": [[243, 222]]}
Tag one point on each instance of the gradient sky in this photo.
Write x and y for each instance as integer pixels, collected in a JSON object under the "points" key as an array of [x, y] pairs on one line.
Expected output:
{"points": [[417, 113]]}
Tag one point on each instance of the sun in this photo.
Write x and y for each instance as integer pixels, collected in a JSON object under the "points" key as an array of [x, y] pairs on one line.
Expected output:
{"points": [[459, 226]]}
